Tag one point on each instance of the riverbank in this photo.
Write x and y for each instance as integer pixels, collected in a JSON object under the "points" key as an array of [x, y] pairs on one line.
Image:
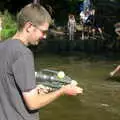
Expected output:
{"points": [[61, 45]]}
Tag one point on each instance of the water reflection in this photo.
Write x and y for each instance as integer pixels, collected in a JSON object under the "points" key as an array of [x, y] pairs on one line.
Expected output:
{"points": [[101, 97]]}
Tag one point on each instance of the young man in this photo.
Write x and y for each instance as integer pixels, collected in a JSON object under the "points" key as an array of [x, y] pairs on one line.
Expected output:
{"points": [[19, 96]]}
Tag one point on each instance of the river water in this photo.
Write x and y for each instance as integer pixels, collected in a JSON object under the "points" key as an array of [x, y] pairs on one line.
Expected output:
{"points": [[101, 97]]}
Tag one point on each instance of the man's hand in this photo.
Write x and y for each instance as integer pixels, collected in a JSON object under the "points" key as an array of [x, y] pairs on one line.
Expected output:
{"points": [[43, 89], [71, 90]]}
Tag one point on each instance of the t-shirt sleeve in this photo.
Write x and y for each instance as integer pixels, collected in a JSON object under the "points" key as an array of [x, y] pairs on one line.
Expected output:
{"points": [[24, 73]]}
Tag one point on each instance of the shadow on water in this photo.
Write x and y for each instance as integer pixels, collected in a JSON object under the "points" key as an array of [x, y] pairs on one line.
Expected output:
{"points": [[101, 98], [114, 78]]}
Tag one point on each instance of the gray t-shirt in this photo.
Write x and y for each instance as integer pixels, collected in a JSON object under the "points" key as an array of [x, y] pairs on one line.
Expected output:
{"points": [[17, 75]]}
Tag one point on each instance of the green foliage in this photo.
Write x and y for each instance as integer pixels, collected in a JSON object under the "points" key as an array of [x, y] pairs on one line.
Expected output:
{"points": [[9, 26]]}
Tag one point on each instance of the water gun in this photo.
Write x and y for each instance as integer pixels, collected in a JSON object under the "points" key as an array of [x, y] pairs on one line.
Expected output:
{"points": [[52, 79]]}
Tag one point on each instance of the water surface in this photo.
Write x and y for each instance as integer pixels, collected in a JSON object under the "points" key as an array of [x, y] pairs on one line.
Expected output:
{"points": [[101, 98]]}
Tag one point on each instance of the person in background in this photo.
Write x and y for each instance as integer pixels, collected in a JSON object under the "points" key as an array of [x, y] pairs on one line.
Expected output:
{"points": [[91, 21], [83, 20], [117, 30], [117, 69], [98, 23], [71, 26], [20, 97]]}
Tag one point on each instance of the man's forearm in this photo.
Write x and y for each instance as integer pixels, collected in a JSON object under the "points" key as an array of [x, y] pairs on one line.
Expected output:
{"points": [[34, 100]]}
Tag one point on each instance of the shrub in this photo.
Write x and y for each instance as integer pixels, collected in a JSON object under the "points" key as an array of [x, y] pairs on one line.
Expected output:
{"points": [[9, 26]]}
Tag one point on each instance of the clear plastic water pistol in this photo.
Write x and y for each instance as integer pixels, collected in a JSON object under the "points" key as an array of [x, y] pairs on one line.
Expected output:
{"points": [[53, 79]]}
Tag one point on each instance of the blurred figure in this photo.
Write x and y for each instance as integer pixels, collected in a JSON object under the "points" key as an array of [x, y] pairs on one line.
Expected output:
{"points": [[117, 69], [117, 30], [98, 24], [83, 20], [91, 21], [71, 26]]}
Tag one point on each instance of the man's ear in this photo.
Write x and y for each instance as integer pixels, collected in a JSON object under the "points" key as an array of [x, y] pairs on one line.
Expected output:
{"points": [[28, 27]]}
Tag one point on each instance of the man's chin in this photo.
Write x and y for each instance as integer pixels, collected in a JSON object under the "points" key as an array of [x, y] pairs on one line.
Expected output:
{"points": [[35, 43]]}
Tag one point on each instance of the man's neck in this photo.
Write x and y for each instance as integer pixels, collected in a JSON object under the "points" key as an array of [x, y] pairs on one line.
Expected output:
{"points": [[19, 36]]}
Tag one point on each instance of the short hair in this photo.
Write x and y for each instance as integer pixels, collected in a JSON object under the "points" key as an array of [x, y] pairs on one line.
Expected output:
{"points": [[34, 13]]}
